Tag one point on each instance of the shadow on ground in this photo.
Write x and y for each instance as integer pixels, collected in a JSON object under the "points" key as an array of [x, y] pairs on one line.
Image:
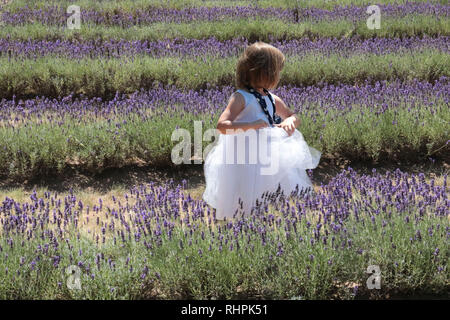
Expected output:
{"points": [[135, 175]]}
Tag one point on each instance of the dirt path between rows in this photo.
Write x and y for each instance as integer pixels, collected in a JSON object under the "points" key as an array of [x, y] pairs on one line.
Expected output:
{"points": [[135, 175]]}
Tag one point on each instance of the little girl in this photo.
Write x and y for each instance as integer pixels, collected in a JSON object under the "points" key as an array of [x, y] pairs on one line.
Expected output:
{"points": [[255, 113]]}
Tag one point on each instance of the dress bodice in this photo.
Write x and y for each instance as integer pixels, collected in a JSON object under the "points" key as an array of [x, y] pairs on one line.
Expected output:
{"points": [[253, 110]]}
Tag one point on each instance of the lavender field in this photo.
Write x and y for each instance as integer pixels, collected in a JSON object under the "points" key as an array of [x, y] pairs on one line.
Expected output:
{"points": [[80, 107]]}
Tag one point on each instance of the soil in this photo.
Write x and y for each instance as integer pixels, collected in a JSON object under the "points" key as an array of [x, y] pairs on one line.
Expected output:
{"points": [[193, 174]]}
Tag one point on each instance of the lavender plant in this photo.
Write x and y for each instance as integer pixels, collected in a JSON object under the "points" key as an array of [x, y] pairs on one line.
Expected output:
{"points": [[158, 242], [372, 122], [56, 15]]}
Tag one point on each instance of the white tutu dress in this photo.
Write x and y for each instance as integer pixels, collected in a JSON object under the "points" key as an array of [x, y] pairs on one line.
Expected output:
{"points": [[240, 167]]}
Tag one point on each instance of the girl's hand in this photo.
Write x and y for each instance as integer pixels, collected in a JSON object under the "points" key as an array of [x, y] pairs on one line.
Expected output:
{"points": [[288, 125]]}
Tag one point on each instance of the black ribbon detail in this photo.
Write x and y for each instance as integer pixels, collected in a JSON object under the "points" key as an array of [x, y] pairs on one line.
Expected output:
{"points": [[262, 102]]}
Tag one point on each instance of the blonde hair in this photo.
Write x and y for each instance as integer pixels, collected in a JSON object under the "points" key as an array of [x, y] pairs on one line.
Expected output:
{"points": [[260, 65]]}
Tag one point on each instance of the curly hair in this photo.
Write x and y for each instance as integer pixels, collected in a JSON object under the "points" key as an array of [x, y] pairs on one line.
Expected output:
{"points": [[260, 66]]}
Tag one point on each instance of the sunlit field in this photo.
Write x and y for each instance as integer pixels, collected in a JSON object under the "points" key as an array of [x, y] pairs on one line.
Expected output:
{"points": [[79, 107]]}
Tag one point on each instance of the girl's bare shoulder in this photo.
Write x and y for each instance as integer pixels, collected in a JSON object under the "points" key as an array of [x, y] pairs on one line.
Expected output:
{"points": [[238, 99]]}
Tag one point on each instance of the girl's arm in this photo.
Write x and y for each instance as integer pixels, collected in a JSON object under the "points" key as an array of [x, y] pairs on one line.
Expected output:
{"points": [[290, 119], [226, 124]]}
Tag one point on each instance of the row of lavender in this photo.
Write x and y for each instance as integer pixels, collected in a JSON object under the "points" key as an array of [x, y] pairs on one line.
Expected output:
{"points": [[57, 14], [318, 236], [193, 48], [311, 101], [380, 122]]}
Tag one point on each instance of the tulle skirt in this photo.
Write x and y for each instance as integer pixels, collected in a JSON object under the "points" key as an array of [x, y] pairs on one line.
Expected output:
{"points": [[241, 167]]}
